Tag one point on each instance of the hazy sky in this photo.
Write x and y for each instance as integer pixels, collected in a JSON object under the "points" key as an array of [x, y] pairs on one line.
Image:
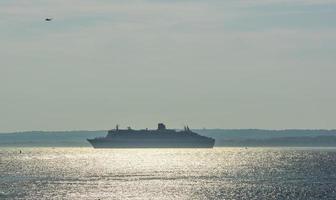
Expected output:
{"points": [[211, 63]]}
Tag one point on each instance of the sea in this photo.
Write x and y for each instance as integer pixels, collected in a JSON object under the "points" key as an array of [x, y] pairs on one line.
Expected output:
{"points": [[197, 174]]}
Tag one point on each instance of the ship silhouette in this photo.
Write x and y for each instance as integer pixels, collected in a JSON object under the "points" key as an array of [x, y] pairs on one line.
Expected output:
{"points": [[159, 138]]}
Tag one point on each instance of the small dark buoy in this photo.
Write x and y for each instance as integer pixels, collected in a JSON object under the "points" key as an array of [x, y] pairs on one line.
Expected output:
{"points": [[48, 19]]}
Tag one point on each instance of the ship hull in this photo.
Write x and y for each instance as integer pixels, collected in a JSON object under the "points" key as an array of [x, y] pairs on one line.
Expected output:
{"points": [[104, 143]]}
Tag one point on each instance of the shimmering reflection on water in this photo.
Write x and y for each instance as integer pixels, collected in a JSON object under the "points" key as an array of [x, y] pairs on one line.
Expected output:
{"points": [[220, 173]]}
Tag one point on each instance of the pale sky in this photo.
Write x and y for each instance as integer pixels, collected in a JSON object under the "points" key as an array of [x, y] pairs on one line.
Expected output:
{"points": [[213, 63]]}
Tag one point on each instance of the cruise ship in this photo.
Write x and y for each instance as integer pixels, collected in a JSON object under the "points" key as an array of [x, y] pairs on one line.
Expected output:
{"points": [[159, 138]]}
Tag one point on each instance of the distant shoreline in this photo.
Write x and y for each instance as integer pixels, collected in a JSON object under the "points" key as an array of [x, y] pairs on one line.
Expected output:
{"points": [[223, 137]]}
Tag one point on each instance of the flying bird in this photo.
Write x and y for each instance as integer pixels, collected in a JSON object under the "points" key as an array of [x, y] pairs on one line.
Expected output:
{"points": [[48, 19]]}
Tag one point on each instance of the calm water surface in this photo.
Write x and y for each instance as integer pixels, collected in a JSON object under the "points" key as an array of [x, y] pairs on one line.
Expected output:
{"points": [[219, 173]]}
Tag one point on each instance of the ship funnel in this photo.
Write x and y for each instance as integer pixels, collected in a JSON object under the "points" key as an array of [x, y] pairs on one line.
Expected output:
{"points": [[161, 126]]}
